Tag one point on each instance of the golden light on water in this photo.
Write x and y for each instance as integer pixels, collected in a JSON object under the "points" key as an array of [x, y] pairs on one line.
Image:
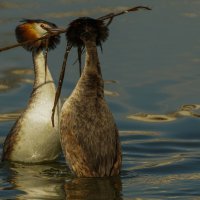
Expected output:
{"points": [[9, 116], [12, 78], [111, 93], [190, 110]]}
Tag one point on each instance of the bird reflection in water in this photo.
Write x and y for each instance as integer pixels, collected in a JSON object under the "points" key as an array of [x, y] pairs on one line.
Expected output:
{"points": [[37, 181], [54, 181], [94, 189]]}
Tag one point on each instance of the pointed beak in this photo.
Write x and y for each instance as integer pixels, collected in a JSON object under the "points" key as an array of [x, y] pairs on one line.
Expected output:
{"points": [[60, 30], [54, 30]]}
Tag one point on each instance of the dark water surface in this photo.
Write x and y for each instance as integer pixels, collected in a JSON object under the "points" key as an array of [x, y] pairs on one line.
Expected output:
{"points": [[153, 61]]}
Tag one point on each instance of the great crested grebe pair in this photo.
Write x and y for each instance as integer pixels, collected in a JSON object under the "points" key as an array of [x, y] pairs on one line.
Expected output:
{"points": [[88, 133]]}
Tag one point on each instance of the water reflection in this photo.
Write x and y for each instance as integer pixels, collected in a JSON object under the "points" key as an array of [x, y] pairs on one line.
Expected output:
{"points": [[110, 92], [171, 178], [146, 186], [190, 110], [9, 116], [54, 181], [13, 78], [94, 188], [38, 181]]}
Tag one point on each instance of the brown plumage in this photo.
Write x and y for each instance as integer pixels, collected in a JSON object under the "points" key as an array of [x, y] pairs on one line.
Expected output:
{"points": [[89, 135]]}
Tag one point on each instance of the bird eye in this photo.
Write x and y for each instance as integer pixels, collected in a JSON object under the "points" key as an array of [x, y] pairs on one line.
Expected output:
{"points": [[44, 26]]}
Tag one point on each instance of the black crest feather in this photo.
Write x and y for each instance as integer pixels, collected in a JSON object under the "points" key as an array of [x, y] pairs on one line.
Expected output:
{"points": [[77, 27]]}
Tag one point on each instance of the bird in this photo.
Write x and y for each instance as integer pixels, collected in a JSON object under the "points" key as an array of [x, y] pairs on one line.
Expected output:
{"points": [[89, 135], [33, 139]]}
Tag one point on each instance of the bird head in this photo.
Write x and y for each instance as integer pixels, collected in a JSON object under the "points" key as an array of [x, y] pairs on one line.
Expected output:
{"points": [[33, 29], [87, 28]]}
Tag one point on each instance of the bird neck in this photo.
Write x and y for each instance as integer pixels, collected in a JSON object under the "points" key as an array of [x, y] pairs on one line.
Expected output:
{"points": [[92, 64], [41, 77], [91, 82]]}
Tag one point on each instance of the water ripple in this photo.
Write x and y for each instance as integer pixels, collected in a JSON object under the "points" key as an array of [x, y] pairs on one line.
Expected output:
{"points": [[190, 110], [13, 78], [9, 116]]}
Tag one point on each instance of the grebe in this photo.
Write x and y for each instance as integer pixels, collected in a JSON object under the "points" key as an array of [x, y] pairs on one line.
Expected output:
{"points": [[89, 135], [32, 139]]}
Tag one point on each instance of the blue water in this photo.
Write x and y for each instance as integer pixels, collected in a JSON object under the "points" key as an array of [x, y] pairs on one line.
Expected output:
{"points": [[150, 64]]}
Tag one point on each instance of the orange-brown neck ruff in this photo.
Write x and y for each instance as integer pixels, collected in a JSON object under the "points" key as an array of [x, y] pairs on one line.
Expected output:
{"points": [[34, 30], [26, 32]]}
